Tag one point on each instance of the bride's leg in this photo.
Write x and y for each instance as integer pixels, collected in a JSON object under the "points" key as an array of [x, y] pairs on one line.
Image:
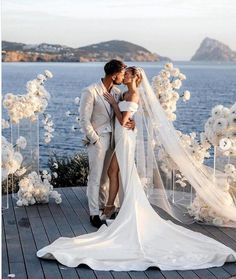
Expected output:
{"points": [[113, 174]]}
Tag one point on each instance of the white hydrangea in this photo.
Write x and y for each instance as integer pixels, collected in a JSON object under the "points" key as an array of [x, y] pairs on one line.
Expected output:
{"points": [[34, 189]]}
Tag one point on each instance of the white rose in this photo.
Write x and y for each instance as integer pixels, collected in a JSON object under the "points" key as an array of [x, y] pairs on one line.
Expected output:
{"points": [[41, 78], [182, 76], [19, 203], [48, 74], [176, 84], [186, 96], [175, 72], [229, 168], [217, 111], [220, 125], [58, 200], [175, 96], [232, 120], [172, 117], [168, 66], [164, 74], [77, 101], [32, 86]]}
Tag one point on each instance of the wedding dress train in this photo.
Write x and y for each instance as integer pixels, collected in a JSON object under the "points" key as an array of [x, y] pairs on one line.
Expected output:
{"points": [[138, 238]]}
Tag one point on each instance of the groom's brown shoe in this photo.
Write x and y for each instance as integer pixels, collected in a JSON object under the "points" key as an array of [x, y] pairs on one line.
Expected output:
{"points": [[96, 221]]}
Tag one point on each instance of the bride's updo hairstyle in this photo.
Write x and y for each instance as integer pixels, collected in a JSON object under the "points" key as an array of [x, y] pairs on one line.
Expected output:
{"points": [[136, 72]]}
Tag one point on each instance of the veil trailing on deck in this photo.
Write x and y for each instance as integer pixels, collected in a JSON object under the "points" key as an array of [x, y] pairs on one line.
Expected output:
{"points": [[161, 158]]}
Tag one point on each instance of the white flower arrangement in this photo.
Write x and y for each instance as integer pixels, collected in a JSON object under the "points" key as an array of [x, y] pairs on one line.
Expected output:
{"points": [[48, 127], [166, 163], [222, 125], [28, 105], [11, 159], [33, 189], [202, 212], [165, 86], [199, 150]]}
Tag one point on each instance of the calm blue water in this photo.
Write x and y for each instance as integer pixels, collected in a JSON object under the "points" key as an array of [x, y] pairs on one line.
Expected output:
{"points": [[209, 84]]}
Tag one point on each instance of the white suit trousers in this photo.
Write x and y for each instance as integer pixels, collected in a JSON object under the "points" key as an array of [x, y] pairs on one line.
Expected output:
{"points": [[98, 183]]}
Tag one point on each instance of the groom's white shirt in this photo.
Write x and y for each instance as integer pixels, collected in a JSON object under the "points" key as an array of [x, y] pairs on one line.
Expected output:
{"points": [[96, 115]]}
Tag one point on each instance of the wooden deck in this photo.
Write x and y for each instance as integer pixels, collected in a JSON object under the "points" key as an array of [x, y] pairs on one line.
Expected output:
{"points": [[27, 229]]}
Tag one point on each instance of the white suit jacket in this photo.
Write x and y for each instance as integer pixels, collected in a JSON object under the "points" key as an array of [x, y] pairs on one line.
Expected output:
{"points": [[95, 112]]}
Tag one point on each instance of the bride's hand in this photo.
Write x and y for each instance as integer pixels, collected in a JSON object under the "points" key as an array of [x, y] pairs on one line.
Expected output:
{"points": [[109, 98], [130, 125]]}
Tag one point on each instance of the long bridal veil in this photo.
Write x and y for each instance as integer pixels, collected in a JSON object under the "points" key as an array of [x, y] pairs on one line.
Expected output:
{"points": [[161, 158]]}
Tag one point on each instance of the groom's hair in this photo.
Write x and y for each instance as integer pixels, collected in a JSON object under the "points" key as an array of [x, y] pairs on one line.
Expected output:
{"points": [[114, 66]]}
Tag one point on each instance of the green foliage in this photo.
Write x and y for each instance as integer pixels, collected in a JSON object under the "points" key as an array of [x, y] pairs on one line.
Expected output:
{"points": [[71, 171], [12, 186]]}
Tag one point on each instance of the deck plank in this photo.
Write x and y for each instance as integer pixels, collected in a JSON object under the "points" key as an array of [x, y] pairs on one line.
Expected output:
{"points": [[27, 229], [5, 262], [33, 265]]}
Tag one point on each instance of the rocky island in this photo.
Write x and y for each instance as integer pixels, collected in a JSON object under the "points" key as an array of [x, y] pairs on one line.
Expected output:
{"points": [[213, 50]]}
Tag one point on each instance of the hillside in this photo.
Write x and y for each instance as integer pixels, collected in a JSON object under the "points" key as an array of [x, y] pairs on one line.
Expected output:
{"points": [[104, 51]]}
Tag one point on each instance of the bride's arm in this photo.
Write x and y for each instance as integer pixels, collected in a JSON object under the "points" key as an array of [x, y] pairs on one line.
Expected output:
{"points": [[123, 117]]}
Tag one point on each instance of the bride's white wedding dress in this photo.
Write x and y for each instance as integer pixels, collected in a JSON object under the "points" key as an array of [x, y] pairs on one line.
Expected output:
{"points": [[138, 238]]}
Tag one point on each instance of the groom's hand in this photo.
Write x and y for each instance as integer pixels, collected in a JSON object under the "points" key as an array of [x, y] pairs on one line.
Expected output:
{"points": [[130, 124]]}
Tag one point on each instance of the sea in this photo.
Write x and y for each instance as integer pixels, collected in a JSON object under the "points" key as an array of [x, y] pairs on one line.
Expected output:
{"points": [[210, 84]]}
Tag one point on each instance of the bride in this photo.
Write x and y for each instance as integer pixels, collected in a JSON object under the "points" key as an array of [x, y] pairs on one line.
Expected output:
{"points": [[138, 238]]}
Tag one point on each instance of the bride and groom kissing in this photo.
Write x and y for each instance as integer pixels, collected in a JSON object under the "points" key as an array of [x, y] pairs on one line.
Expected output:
{"points": [[97, 118], [138, 238]]}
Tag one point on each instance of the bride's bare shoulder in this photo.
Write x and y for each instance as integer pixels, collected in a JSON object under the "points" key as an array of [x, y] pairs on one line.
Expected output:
{"points": [[133, 98]]}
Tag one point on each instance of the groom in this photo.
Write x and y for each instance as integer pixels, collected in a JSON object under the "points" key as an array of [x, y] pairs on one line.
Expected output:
{"points": [[97, 122]]}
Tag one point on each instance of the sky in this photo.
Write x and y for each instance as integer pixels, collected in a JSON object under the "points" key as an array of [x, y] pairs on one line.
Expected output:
{"points": [[172, 28]]}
